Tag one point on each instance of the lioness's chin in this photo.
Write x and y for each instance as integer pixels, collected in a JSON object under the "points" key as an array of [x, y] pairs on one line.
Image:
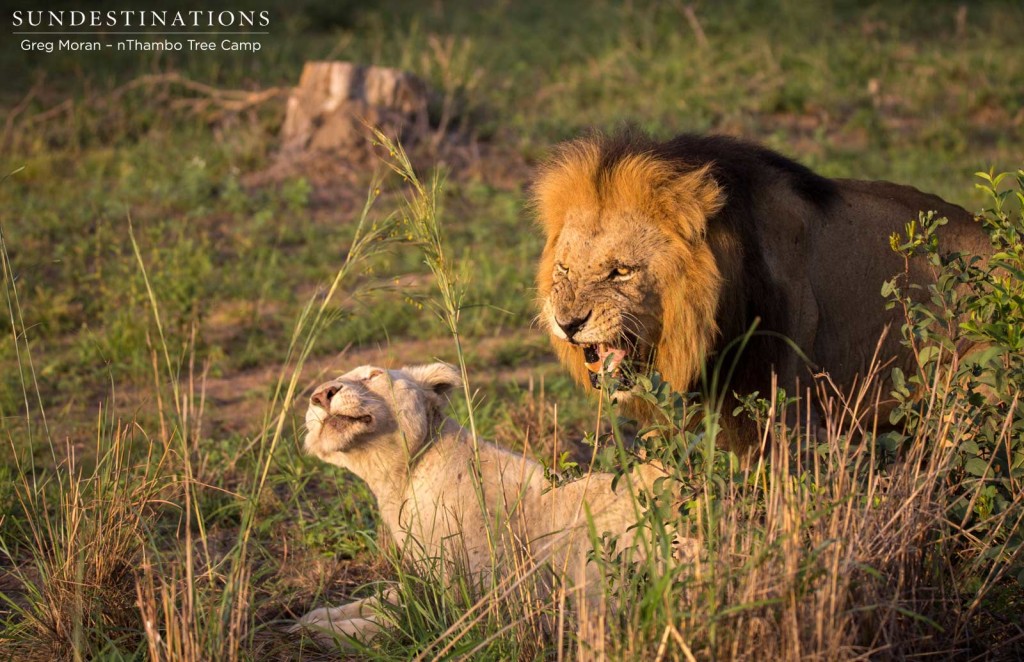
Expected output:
{"points": [[337, 433], [328, 443]]}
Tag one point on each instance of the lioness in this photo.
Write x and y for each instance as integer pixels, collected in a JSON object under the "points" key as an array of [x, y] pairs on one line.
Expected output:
{"points": [[659, 254], [482, 510]]}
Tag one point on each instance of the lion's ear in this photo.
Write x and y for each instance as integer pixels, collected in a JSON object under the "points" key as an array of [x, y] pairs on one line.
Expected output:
{"points": [[440, 378], [695, 197]]}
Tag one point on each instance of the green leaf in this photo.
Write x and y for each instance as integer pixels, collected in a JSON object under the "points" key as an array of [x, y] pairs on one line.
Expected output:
{"points": [[929, 354], [982, 356], [899, 381], [976, 466], [890, 441]]}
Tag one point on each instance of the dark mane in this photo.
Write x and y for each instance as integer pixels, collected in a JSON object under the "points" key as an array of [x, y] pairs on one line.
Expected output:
{"points": [[740, 167]]}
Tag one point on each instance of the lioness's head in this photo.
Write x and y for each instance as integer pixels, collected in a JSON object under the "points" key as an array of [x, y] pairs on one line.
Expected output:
{"points": [[626, 265], [389, 413]]}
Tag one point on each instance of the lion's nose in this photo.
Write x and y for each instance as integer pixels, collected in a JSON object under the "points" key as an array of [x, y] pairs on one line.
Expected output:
{"points": [[323, 394], [572, 326]]}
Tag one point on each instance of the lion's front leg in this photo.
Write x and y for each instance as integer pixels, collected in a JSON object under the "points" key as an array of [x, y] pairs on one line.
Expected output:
{"points": [[359, 620]]}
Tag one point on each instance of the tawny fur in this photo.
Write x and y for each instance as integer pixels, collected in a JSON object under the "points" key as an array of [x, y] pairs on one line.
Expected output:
{"points": [[651, 192], [484, 509]]}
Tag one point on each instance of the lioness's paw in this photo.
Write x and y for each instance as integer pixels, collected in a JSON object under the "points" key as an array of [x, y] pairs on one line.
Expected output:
{"points": [[328, 626]]}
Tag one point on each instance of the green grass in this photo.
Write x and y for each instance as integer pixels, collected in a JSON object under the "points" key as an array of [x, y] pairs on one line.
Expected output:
{"points": [[876, 91]]}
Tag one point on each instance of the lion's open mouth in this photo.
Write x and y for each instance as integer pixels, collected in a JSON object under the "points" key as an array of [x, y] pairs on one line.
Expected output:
{"points": [[603, 359]]}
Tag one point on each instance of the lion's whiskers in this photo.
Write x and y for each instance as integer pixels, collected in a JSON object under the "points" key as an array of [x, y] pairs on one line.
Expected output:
{"points": [[639, 330]]}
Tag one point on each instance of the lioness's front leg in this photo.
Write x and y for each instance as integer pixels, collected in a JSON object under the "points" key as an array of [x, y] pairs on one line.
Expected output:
{"points": [[358, 620]]}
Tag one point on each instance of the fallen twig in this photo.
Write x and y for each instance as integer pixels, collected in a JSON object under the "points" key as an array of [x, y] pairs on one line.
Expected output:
{"points": [[219, 101]]}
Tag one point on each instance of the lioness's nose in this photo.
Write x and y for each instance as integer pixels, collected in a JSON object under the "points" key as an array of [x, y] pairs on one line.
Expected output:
{"points": [[573, 325], [323, 394]]}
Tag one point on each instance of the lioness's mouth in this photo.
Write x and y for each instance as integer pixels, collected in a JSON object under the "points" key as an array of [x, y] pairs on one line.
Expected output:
{"points": [[604, 359], [343, 420]]}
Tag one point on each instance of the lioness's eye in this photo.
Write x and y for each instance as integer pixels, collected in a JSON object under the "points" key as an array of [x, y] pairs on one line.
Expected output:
{"points": [[621, 273], [561, 268], [374, 373]]}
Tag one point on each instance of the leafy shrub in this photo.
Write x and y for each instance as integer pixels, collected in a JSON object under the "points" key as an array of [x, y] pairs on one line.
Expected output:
{"points": [[966, 330]]}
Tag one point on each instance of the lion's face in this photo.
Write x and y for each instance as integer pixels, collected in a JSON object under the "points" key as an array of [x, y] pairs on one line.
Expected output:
{"points": [[627, 278], [606, 288], [370, 409]]}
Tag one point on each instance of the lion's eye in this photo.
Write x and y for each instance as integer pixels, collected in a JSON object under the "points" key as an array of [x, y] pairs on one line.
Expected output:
{"points": [[561, 268], [374, 373], [621, 273]]}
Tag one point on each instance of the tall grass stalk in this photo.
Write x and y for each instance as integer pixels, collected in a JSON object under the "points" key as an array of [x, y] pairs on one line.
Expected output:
{"points": [[423, 221], [176, 627]]}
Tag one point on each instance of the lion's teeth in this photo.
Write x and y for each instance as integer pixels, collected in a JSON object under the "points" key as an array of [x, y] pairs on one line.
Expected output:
{"points": [[603, 358]]}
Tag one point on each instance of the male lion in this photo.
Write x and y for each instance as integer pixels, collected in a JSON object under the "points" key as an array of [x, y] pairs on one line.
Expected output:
{"points": [[660, 254], [482, 510]]}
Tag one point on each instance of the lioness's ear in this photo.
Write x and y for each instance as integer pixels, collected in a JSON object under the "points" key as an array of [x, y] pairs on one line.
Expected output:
{"points": [[439, 378]]}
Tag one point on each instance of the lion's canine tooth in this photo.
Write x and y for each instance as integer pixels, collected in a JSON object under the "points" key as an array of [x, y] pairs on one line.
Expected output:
{"points": [[592, 358]]}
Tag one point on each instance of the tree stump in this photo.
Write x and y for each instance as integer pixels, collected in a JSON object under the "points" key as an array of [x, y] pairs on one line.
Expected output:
{"points": [[325, 137], [328, 111]]}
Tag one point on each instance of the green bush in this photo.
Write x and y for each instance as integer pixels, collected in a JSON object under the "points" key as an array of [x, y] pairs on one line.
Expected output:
{"points": [[966, 330]]}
